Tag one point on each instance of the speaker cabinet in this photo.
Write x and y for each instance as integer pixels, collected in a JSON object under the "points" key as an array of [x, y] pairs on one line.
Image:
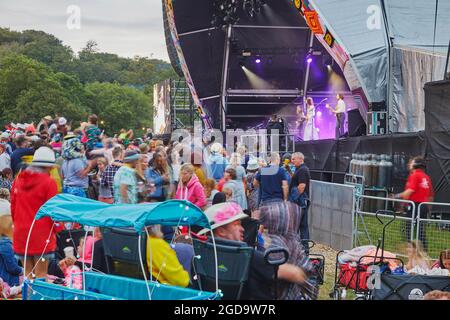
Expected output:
{"points": [[377, 122], [356, 124]]}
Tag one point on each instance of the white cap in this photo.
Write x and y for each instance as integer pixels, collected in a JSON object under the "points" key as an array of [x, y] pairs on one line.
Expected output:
{"points": [[62, 121], [4, 135]]}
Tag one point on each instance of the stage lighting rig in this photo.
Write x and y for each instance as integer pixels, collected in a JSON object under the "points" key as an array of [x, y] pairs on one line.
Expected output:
{"points": [[252, 7], [249, 7], [225, 13]]}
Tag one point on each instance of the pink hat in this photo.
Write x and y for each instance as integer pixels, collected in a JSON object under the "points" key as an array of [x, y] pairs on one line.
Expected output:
{"points": [[223, 213]]}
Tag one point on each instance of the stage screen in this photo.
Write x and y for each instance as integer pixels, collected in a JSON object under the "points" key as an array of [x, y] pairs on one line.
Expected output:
{"points": [[161, 108]]}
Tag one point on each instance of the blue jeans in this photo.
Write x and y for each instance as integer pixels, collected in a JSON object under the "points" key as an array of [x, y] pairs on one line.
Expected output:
{"points": [[304, 229], [76, 191]]}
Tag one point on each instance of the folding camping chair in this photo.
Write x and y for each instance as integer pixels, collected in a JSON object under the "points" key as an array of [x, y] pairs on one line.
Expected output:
{"points": [[233, 261], [122, 252]]}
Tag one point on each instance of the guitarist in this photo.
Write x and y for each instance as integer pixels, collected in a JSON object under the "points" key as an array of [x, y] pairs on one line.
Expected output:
{"points": [[339, 111]]}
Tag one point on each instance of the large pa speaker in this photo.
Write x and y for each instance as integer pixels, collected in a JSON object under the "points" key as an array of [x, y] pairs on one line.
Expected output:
{"points": [[356, 124]]}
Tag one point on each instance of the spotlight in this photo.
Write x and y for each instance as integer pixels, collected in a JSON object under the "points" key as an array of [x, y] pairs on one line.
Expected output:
{"points": [[309, 60], [249, 8], [258, 60], [241, 64], [328, 61]]}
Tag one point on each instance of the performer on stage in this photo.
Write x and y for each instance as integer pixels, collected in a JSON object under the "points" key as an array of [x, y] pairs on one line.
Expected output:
{"points": [[310, 128], [300, 123], [339, 111]]}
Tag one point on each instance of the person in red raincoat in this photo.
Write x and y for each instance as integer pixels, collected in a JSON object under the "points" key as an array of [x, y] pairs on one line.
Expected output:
{"points": [[30, 190]]}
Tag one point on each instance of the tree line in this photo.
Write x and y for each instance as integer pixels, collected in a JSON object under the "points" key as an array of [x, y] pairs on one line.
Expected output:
{"points": [[40, 76]]}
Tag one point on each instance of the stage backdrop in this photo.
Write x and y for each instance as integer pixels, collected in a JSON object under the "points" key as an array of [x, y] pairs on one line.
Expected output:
{"points": [[437, 131]]}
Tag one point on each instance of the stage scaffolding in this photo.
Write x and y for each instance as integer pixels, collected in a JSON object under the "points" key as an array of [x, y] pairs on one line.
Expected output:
{"points": [[182, 106]]}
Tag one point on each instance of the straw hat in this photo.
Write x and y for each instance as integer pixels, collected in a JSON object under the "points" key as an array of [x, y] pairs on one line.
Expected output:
{"points": [[222, 214], [44, 157]]}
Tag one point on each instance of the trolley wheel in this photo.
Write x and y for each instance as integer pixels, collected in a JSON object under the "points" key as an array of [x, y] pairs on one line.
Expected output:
{"points": [[336, 294]]}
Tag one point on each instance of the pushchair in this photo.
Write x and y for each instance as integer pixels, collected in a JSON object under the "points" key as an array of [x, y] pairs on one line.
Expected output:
{"points": [[318, 261], [360, 276]]}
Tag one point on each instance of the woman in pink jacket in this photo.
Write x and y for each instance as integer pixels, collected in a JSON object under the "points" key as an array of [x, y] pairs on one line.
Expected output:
{"points": [[189, 187]]}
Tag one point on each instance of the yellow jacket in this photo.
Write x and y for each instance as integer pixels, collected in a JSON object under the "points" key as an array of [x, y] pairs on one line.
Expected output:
{"points": [[165, 265], [54, 173]]}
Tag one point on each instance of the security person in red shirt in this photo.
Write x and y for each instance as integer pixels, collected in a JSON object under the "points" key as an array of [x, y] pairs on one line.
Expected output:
{"points": [[418, 189]]}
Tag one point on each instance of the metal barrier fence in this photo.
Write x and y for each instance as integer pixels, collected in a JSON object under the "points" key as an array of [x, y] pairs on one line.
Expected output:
{"points": [[433, 232], [368, 226], [331, 214], [273, 142]]}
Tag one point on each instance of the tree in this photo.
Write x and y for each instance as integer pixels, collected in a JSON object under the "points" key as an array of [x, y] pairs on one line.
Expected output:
{"points": [[29, 90], [119, 106]]}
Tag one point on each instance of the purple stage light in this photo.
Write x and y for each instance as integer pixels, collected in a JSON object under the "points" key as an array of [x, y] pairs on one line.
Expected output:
{"points": [[309, 60], [258, 60]]}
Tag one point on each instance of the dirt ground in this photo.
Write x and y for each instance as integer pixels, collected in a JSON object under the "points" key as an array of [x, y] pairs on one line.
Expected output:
{"points": [[330, 259]]}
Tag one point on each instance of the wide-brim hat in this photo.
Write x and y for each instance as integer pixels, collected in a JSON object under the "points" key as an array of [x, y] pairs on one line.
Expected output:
{"points": [[222, 214], [252, 164], [70, 135], [44, 157], [49, 118]]}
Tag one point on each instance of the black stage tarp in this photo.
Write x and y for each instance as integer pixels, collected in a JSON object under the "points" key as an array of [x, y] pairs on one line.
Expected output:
{"points": [[335, 155]]}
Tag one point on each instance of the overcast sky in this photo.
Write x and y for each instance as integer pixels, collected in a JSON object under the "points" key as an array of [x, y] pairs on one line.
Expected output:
{"points": [[124, 27]]}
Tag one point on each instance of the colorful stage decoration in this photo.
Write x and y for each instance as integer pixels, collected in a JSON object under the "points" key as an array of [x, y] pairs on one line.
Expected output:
{"points": [[312, 19], [176, 41], [317, 26]]}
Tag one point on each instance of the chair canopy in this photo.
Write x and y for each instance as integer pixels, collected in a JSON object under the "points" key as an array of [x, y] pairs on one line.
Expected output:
{"points": [[70, 208]]}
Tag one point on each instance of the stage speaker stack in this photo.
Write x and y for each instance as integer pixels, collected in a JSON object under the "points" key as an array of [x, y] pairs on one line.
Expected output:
{"points": [[356, 124], [377, 119]]}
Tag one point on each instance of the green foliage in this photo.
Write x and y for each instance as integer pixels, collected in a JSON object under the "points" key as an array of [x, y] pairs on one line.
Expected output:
{"points": [[119, 106], [40, 76], [29, 90]]}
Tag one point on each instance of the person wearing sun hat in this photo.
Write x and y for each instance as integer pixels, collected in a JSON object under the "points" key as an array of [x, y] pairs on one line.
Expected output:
{"points": [[225, 220], [252, 191], [30, 190], [125, 180], [75, 168]]}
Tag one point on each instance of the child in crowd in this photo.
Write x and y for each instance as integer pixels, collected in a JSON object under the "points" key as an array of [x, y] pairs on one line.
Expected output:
{"points": [[104, 191], [5, 205], [72, 273], [210, 190], [252, 191], [444, 260], [11, 274], [6, 178], [417, 258]]}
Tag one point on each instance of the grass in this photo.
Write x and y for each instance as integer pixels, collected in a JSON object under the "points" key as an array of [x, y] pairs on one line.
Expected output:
{"points": [[438, 238]]}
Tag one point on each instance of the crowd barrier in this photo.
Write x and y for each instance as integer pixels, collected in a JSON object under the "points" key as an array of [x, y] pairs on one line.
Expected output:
{"points": [[331, 214], [435, 228], [368, 229], [273, 142]]}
